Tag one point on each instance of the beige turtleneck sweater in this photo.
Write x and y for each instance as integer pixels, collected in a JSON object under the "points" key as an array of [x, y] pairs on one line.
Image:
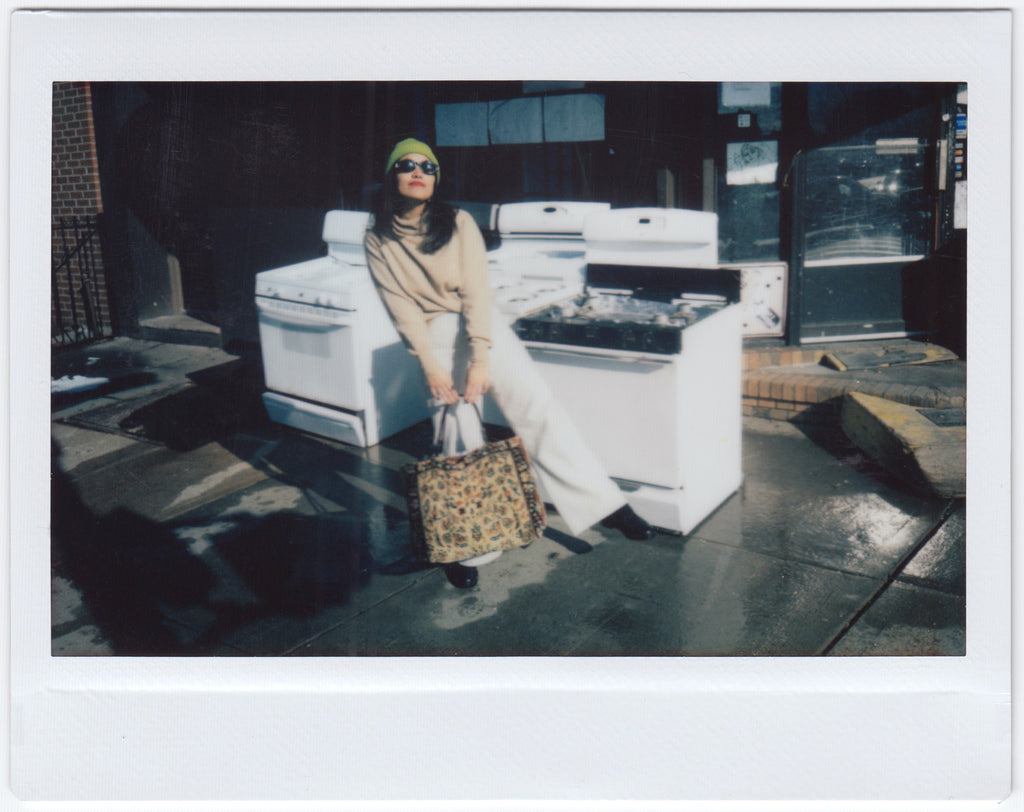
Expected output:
{"points": [[417, 287]]}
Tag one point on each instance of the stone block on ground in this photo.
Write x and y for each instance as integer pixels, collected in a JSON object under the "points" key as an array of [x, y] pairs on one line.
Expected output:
{"points": [[875, 357], [927, 448]]}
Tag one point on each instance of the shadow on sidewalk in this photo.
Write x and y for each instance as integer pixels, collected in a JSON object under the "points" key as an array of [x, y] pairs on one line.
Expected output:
{"points": [[827, 435], [223, 401], [124, 566], [210, 406], [160, 590]]}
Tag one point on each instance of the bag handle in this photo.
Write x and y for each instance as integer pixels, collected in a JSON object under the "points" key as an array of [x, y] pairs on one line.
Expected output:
{"points": [[438, 445]]}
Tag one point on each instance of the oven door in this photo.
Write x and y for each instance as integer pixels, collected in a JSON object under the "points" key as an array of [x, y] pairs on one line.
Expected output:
{"points": [[314, 353], [625, 404]]}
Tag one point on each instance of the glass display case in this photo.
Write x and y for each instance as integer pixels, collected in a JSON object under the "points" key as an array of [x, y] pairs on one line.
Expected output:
{"points": [[866, 215], [866, 202]]}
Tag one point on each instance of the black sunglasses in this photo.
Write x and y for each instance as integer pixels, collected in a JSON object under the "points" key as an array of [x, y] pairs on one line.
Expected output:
{"points": [[407, 165]]}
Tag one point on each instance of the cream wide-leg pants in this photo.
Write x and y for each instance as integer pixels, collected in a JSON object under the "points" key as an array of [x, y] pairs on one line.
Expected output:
{"points": [[568, 472]]}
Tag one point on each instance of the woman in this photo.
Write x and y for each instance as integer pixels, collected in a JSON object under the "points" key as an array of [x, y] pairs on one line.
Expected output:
{"points": [[429, 263]]}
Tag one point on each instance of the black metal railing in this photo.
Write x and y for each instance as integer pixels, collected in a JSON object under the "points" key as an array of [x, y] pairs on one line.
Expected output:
{"points": [[76, 315]]}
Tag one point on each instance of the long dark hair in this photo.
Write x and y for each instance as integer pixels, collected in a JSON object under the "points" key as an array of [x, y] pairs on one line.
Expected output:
{"points": [[438, 216]]}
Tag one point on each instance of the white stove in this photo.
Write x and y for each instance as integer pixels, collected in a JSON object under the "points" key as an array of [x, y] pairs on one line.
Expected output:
{"points": [[647, 360], [332, 361]]}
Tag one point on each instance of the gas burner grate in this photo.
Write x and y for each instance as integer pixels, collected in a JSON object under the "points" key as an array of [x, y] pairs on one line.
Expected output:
{"points": [[616, 322]]}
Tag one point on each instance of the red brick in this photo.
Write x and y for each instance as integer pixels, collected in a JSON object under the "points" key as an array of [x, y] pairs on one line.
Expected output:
{"points": [[74, 192]]}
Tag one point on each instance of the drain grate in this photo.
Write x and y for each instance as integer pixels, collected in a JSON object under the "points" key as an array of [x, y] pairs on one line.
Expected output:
{"points": [[945, 417]]}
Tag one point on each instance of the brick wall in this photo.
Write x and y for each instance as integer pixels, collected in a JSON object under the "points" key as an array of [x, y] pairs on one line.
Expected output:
{"points": [[788, 383], [80, 303]]}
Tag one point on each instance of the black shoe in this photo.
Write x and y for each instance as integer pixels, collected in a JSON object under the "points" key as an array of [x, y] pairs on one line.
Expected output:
{"points": [[461, 577], [631, 525]]}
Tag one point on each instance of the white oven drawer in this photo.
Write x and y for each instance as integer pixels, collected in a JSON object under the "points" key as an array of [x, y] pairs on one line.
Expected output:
{"points": [[338, 425]]}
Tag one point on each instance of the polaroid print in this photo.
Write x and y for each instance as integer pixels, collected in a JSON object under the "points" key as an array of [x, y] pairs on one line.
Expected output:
{"points": [[741, 288]]}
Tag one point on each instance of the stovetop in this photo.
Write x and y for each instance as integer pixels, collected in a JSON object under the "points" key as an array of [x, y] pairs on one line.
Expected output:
{"points": [[518, 297], [529, 273], [617, 321], [324, 281], [621, 308], [640, 308]]}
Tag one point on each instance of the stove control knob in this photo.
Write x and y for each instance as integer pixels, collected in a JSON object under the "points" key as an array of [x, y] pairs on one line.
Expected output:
{"points": [[648, 339], [555, 332], [629, 339]]}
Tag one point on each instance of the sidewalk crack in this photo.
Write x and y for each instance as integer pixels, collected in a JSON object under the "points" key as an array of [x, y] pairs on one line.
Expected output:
{"points": [[890, 579]]}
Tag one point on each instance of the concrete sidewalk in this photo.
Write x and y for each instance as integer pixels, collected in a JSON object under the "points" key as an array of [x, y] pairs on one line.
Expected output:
{"points": [[185, 523]]}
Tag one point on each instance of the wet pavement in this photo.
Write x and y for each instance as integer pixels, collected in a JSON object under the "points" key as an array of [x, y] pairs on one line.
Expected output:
{"points": [[186, 523]]}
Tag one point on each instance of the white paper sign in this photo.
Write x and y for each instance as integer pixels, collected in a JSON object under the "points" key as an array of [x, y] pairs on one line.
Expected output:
{"points": [[751, 162], [516, 121], [960, 205], [746, 94], [576, 117]]}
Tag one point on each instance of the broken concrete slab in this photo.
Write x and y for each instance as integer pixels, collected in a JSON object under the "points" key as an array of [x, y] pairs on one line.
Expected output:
{"points": [[927, 448], [886, 356]]}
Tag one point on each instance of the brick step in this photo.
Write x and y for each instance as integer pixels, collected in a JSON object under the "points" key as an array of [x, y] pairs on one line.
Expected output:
{"points": [[794, 384]]}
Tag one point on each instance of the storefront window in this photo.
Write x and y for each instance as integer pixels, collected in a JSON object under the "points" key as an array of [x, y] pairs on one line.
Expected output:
{"points": [[867, 201]]}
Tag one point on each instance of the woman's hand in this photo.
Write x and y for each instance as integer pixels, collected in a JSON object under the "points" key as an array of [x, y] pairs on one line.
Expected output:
{"points": [[442, 387], [477, 383]]}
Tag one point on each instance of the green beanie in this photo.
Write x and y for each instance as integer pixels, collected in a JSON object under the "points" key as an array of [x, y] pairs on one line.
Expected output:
{"points": [[407, 147]]}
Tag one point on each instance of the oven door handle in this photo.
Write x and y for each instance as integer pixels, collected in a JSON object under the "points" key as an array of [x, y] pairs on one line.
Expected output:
{"points": [[296, 320], [616, 355]]}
